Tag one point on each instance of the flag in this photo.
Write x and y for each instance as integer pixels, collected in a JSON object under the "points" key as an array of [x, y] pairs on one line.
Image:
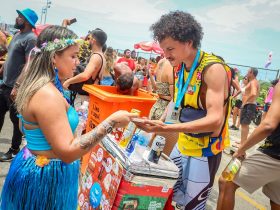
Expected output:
{"points": [[268, 62]]}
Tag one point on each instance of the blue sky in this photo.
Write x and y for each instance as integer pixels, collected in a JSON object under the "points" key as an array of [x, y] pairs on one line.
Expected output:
{"points": [[241, 31]]}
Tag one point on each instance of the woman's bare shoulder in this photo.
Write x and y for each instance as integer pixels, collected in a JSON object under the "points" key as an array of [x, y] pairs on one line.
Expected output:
{"points": [[48, 96]]}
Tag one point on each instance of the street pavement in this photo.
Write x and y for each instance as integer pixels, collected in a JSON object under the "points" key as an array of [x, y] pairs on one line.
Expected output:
{"points": [[244, 201]]}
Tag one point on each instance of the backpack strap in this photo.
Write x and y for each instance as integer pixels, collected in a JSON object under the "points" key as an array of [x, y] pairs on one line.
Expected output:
{"points": [[98, 74]]}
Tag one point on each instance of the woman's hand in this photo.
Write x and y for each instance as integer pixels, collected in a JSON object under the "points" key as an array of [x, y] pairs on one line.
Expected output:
{"points": [[121, 118]]}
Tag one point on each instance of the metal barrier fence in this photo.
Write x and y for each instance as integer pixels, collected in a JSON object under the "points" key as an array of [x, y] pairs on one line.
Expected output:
{"points": [[263, 75]]}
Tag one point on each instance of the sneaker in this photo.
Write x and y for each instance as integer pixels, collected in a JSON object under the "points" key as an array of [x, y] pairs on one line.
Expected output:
{"points": [[8, 156], [233, 127]]}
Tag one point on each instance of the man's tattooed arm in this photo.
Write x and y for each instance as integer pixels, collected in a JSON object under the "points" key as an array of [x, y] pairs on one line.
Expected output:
{"points": [[91, 138]]}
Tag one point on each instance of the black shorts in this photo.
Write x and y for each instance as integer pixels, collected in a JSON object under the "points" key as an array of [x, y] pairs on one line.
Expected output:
{"points": [[247, 114], [238, 104]]}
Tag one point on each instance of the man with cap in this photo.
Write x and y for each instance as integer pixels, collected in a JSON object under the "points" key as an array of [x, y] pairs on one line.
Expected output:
{"points": [[19, 48]]}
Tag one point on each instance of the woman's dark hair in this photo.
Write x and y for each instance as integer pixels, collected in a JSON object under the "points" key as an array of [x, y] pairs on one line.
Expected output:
{"points": [[274, 82], [178, 25]]}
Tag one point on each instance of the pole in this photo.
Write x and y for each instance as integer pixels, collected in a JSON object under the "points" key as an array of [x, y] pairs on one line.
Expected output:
{"points": [[46, 11], [42, 11], [277, 75]]}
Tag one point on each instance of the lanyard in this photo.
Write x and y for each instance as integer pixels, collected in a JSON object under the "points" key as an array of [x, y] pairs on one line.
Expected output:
{"points": [[181, 89]]}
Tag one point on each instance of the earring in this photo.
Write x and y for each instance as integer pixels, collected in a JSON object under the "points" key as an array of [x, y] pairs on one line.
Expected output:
{"points": [[59, 86], [57, 82]]}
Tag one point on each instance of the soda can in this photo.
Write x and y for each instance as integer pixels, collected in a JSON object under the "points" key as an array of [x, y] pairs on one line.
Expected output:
{"points": [[156, 149]]}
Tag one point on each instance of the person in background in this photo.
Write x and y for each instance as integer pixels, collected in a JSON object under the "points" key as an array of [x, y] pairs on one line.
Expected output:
{"points": [[45, 173], [141, 69], [238, 104], [125, 80], [249, 100], [260, 169], [95, 67], [268, 99], [18, 52], [3, 46], [127, 60], [199, 111], [115, 56], [3, 52], [133, 56], [107, 76], [163, 85]]}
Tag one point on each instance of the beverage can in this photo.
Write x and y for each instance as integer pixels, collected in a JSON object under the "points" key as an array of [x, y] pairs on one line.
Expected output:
{"points": [[128, 131], [156, 149]]}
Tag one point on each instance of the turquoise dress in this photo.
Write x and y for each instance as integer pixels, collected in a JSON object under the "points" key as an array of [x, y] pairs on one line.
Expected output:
{"points": [[35, 182]]}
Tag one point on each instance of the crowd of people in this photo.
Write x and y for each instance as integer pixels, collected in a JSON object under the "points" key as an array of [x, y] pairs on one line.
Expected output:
{"points": [[194, 89]]}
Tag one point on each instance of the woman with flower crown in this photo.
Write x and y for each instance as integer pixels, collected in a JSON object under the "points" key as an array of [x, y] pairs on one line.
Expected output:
{"points": [[44, 174]]}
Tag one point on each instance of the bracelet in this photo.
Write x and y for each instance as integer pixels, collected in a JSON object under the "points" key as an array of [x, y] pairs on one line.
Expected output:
{"points": [[108, 127]]}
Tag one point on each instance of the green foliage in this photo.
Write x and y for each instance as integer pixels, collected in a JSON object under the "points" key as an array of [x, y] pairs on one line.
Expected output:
{"points": [[264, 86]]}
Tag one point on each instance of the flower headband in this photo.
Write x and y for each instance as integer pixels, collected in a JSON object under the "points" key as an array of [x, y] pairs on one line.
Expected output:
{"points": [[57, 44]]}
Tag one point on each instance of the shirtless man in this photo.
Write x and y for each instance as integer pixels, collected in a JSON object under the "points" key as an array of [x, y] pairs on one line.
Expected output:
{"points": [[248, 109], [126, 82]]}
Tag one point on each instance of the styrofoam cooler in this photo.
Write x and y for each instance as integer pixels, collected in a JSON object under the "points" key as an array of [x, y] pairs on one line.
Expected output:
{"points": [[145, 185]]}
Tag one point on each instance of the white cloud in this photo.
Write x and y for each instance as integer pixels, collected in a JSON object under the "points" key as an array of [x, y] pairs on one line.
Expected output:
{"points": [[136, 11], [242, 16]]}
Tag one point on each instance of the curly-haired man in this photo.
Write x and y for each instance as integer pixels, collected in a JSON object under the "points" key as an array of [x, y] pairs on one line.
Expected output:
{"points": [[199, 111]]}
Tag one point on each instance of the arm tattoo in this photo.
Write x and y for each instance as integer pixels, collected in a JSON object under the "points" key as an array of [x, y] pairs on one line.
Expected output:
{"points": [[93, 137]]}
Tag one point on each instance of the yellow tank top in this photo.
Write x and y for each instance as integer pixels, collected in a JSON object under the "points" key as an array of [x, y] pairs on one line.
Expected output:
{"points": [[206, 145]]}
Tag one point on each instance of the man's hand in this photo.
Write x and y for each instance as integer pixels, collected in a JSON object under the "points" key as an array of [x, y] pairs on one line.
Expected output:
{"points": [[239, 154], [13, 94], [150, 125]]}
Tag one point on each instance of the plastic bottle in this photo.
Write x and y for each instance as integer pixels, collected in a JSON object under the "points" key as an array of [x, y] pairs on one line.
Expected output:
{"points": [[144, 138], [128, 131], [83, 114], [156, 149], [131, 145], [231, 169], [141, 144]]}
